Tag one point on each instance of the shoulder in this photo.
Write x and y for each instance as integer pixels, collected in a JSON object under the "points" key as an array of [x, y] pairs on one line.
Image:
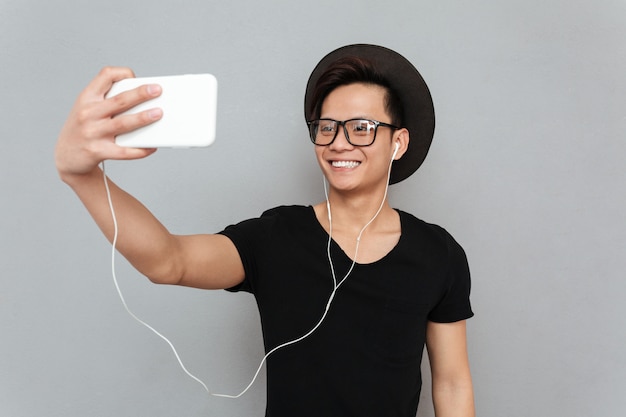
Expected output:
{"points": [[268, 220], [429, 235], [414, 225], [287, 211]]}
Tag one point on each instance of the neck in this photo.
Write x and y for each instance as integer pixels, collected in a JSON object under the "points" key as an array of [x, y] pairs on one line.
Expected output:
{"points": [[351, 212]]}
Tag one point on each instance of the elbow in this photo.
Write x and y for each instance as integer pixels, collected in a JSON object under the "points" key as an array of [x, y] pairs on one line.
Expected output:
{"points": [[163, 276], [165, 272]]}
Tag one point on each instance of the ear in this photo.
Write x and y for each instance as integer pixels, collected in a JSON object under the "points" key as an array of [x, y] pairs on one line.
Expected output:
{"points": [[401, 138]]}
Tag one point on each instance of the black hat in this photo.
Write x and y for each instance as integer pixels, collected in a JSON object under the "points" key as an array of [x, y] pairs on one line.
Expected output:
{"points": [[407, 83]]}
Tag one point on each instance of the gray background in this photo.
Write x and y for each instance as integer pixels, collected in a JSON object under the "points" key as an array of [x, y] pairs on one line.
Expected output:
{"points": [[526, 171]]}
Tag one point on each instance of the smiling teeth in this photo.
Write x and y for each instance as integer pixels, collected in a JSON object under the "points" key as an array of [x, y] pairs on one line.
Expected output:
{"points": [[345, 164]]}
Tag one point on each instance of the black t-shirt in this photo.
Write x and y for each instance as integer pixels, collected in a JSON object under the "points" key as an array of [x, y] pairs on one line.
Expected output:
{"points": [[364, 359]]}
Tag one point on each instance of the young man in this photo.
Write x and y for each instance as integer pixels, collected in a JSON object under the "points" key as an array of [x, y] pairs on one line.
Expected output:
{"points": [[368, 285]]}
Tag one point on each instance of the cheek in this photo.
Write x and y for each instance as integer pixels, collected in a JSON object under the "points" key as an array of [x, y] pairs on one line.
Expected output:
{"points": [[319, 154]]}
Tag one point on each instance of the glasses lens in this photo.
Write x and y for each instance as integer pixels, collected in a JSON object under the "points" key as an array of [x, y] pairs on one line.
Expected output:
{"points": [[361, 132], [323, 131]]}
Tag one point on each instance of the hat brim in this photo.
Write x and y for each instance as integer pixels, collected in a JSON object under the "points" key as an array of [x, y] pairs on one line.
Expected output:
{"points": [[408, 84]]}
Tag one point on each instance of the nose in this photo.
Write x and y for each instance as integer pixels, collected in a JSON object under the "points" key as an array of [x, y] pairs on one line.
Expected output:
{"points": [[341, 141]]}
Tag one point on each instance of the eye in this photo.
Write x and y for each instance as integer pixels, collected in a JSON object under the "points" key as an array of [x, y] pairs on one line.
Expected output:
{"points": [[362, 127], [327, 127]]}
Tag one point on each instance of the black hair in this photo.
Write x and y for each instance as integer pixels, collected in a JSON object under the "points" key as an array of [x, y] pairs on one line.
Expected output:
{"points": [[351, 70]]}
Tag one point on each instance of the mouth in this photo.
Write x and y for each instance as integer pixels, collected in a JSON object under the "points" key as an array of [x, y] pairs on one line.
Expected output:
{"points": [[345, 164]]}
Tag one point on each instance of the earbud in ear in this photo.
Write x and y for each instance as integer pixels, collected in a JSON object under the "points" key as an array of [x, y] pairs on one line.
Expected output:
{"points": [[395, 151]]}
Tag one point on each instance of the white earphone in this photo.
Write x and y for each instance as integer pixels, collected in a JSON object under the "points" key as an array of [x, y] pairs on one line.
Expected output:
{"points": [[395, 151]]}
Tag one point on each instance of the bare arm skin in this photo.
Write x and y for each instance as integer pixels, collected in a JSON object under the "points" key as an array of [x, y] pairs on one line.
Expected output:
{"points": [[453, 394], [87, 138]]}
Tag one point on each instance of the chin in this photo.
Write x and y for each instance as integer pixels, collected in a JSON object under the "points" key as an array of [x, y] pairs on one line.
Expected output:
{"points": [[343, 182]]}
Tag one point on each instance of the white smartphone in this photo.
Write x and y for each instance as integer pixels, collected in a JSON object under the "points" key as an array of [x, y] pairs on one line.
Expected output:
{"points": [[189, 104]]}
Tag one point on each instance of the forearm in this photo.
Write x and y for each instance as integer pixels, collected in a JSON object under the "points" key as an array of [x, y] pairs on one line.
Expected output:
{"points": [[141, 239], [453, 393], [453, 398]]}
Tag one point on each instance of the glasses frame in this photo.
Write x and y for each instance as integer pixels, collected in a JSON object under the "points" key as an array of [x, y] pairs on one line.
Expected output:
{"points": [[376, 123]]}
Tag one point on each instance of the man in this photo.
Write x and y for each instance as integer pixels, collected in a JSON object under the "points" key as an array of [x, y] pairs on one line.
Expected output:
{"points": [[349, 290]]}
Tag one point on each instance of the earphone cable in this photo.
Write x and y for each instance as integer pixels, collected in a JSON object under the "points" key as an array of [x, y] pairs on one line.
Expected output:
{"points": [[119, 291]]}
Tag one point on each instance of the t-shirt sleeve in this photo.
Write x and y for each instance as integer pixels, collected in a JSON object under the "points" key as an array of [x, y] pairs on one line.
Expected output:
{"points": [[250, 238], [455, 303]]}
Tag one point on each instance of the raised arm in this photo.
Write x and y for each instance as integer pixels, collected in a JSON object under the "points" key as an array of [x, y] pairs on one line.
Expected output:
{"points": [[453, 394], [88, 138]]}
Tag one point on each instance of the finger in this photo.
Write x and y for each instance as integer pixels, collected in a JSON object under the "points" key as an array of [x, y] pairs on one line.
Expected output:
{"points": [[127, 123], [131, 98], [107, 76], [108, 149], [123, 153]]}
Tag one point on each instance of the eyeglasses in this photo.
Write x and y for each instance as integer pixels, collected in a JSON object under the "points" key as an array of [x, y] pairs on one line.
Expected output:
{"points": [[358, 132]]}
